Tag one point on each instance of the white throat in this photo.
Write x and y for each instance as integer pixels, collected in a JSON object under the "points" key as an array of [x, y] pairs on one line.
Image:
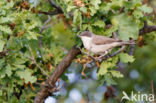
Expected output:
{"points": [[87, 42]]}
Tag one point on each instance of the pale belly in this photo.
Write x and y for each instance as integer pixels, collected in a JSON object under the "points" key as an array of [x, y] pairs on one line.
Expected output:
{"points": [[101, 49]]}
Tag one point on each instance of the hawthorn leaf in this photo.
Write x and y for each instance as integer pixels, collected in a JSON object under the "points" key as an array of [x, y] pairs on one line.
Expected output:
{"points": [[26, 75], [146, 9], [127, 27], [125, 58], [99, 23], [116, 74], [5, 29]]}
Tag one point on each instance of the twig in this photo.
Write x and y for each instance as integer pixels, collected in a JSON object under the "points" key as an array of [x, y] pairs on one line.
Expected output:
{"points": [[55, 12], [43, 28], [46, 22], [118, 51], [54, 5], [147, 29], [131, 49], [34, 61]]}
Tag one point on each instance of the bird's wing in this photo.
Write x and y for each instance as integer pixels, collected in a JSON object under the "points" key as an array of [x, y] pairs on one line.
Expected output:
{"points": [[99, 40]]}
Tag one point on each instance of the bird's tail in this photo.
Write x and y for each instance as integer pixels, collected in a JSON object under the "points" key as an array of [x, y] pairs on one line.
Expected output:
{"points": [[128, 42]]}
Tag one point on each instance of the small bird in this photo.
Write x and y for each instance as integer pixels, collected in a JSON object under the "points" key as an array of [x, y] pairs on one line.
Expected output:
{"points": [[100, 45]]}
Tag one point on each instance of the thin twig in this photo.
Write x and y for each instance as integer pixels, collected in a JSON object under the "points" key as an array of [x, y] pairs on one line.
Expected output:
{"points": [[34, 61], [55, 12], [131, 49], [43, 28], [54, 5], [147, 29], [118, 51], [46, 22]]}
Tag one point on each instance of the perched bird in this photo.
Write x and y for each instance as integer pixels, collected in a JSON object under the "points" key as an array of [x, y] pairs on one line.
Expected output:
{"points": [[101, 45]]}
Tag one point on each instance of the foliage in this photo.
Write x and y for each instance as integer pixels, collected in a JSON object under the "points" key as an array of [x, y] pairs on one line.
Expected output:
{"points": [[29, 49]]}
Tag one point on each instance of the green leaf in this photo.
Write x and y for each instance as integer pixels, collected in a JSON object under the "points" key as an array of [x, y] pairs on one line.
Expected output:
{"points": [[99, 23], [76, 14], [146, 9], [83, 9], [93, 10], [8, 70], [109, 80], [2, 43], [70, 8], [125, 58], [77, 18], [128, 28], [116, 74], [5, 29], [26, 75], [95, 3], [106, 78], [137, 14], [5, 19], [106, 65], [32, 35]]}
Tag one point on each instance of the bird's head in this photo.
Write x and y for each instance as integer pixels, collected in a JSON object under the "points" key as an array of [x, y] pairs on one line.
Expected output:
{"points": [[86, 34]]}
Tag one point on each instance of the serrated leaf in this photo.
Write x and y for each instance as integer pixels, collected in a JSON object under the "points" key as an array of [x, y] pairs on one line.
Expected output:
{"points": [[32, 35], [106, 65], [146, 9], [5, 19], [92, 10], [137, 14], [128, 28], [109, 80], [27, 76], [70, 8], [95, 3], [1, 45], [116, 74], [77, 18], [83, 9], [125, 58], [5, 29], [99, 24]]}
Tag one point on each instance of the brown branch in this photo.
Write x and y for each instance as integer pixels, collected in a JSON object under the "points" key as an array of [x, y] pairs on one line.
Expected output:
{"points": [[50, 82], [147, 29], [55, 12], [55, 6]]}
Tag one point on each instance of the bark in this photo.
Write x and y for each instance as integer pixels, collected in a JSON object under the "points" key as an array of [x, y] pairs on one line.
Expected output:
{"points": [[49, 86]]}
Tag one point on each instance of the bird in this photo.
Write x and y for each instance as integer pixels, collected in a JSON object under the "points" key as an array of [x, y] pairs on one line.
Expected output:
{"points": [[100, 45]]}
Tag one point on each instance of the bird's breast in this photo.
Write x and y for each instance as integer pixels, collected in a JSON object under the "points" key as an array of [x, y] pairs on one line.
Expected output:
{"points": [[86, 42]]}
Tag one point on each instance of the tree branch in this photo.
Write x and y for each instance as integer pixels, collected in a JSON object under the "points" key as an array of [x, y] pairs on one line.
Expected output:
{"points": [[55, 12], [55, 6], [50, 82], [147, 29]]}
